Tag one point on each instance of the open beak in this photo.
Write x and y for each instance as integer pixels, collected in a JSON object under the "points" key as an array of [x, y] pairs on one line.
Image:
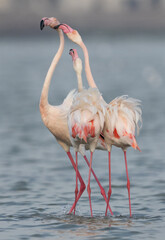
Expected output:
{"points": [[42, 25]]}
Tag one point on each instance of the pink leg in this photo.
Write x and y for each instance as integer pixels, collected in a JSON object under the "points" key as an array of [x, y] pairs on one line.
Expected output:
{"points": [[82, 184], [128, 183], [110, 189], [88, 187], [100, 186], [76, 189]]}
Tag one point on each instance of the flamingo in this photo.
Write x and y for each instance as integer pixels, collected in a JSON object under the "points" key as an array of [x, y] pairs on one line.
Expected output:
{"points": [[55, 117], [127, 110], [77, 65], [122, 121], [85, 118]]}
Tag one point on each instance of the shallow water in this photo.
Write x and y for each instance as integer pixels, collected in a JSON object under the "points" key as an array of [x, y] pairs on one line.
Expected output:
{"points": [[36, 179]]}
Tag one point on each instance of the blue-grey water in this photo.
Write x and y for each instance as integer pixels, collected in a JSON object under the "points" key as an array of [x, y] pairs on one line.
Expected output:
{"points": [[37, 181]]}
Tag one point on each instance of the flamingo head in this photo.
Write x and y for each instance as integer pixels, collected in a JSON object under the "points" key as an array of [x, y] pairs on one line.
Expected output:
{"points": [[51, 22], [74, 54], [72, 34], [77, 63]]}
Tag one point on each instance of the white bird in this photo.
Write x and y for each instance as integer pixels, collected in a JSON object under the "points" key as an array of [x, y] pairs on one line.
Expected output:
{"points": [[122, 121], [85, 118], [55, 117]]}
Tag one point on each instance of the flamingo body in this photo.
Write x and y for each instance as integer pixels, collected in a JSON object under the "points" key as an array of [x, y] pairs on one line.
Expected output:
{"points": [[55, 117], [122, 122], [86, 118]]}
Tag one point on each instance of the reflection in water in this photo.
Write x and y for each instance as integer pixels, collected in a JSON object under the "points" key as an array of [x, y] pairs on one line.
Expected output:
{"points": [[78, 226]]}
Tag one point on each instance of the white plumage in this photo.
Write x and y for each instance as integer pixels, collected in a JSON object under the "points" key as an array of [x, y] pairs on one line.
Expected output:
{"points": [[86, 118], [123, 120]]}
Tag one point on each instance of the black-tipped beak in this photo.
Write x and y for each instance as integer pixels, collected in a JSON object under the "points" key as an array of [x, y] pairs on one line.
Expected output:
{"points": [[56, 27], [42, 25], [71, 51]]}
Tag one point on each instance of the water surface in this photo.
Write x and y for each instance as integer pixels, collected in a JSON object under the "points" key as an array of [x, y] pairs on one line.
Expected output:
{"points": [[36, 178]]}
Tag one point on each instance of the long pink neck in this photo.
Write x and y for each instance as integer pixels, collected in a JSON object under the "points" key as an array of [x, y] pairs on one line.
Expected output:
{"points": [[44, 104], [89, 76]]}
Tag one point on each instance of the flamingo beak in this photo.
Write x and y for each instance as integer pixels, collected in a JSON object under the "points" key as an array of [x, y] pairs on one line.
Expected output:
{"points": [[71, 52], [56, 27], [42, 25]]}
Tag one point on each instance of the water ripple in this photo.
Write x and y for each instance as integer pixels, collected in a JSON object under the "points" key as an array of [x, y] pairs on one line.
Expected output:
{"points": [[37, 181]]}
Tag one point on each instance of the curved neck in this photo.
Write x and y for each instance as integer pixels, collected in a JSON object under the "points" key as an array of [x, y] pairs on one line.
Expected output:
{"points": [[89, 76], [45, 90]]}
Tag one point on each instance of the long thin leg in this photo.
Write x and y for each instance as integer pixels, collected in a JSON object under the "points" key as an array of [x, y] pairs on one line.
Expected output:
{"points": [[100, 186], [110, 189], [88, 187], [128, 183], [82, 184], [76, 189]]}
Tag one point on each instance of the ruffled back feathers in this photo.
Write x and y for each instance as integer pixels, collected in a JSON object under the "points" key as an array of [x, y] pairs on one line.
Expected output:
{"points": [[86, 115], [89, 99], [126, 112]]}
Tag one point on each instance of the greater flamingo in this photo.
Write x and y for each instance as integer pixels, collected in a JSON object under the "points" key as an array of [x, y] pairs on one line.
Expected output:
{"points": [[127, 107], [55, 117], [77, 66], [123, 116], [85, 118]]}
